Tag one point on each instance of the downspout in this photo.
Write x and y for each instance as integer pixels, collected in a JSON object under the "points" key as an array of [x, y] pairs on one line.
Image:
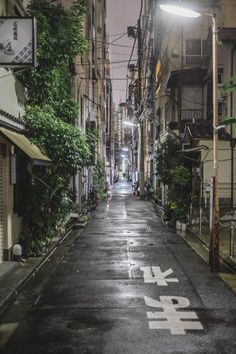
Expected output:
{"points": [[232, 142]]}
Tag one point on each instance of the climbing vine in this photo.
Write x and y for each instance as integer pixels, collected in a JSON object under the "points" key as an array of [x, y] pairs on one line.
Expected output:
{"points": [[99, 183], [172, 172], [50, 119]]}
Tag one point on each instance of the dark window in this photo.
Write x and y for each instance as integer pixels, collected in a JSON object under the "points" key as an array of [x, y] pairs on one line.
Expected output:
{"points": [[81, 112], [220, 76], [22, 186], [193, 47]]}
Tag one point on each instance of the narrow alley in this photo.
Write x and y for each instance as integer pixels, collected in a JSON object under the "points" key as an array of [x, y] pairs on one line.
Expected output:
{"points": [[127, 284]]}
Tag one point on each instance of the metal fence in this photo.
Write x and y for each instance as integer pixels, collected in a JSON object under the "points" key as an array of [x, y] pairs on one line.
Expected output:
{"points": [[199, 224]]}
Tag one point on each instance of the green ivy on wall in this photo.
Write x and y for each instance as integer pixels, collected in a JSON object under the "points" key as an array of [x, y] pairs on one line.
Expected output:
{"points": [[50, 119]]}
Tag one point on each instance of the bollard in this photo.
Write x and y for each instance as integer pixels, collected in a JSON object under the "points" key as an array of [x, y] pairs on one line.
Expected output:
{"points": [[16, 252], [231, 249]]}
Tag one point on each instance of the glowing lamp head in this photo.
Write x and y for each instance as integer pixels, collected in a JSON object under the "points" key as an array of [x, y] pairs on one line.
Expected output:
{"points": [[179, 11]]}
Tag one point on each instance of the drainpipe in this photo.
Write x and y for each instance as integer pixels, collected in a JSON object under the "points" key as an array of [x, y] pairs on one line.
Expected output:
{"points": [[232, 143]]}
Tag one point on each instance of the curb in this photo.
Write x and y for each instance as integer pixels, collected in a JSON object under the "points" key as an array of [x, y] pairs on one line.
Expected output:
{"points": [[228, 263], [13, 292], [225, 261]]}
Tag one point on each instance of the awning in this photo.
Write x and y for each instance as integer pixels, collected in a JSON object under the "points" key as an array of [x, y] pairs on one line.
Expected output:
{"points": [[24, 144], [188, 77]]}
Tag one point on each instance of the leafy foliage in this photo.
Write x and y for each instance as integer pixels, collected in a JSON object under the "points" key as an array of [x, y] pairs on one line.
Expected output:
{"points": [[64, 143], [172, 172], [167, 157], [50, 118], [98, 179]]}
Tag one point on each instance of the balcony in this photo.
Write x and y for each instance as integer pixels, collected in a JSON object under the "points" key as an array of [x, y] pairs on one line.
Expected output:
{"points": [[191, 115], [193, 60]]}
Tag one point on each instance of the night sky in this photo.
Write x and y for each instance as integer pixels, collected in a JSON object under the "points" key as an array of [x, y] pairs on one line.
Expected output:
{"points": [[120, 15]]}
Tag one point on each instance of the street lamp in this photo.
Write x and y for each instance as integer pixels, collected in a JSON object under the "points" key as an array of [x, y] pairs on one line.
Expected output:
{"points": [[129, 124], [214, 207], [179, 11]]}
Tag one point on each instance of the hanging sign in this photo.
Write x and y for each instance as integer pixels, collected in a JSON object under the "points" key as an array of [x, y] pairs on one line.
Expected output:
{"points": [[17, 41]]}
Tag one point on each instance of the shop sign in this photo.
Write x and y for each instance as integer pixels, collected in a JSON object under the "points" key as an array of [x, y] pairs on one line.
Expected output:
{"points": [[17, 41]]}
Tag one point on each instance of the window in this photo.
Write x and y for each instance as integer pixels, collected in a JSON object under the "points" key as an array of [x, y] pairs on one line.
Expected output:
{"points": [[192, 106], [193, 47], [81, 112], [220, 76], [23, 184], [194, 51]]}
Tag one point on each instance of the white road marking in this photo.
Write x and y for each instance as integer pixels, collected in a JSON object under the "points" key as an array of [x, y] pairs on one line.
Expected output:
{"points": [[169, 317], [155, 275]]}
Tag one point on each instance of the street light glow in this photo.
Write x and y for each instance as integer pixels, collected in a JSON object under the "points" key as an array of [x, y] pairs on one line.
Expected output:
{"points": [[179, 11], [129, 124], [214, 208]]}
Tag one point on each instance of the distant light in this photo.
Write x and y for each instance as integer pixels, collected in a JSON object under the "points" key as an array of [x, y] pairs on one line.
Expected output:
{"points": [[125, 149], [129, 124], [179, 11]]}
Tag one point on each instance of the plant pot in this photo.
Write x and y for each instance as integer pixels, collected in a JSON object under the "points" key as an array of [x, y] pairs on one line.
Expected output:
{"points": [[184, 226], [178, 225]]}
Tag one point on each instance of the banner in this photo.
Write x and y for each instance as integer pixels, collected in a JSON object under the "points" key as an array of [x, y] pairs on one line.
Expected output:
{"points": [[17, 41]]}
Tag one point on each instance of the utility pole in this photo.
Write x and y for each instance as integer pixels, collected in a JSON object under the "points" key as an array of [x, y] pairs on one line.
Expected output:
{"points": [[141, 125], [214, 241]]}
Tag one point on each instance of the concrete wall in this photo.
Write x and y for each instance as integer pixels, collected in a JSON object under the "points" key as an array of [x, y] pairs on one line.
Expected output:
{"points": [[12, 94], [226, 13], [12, 100]]}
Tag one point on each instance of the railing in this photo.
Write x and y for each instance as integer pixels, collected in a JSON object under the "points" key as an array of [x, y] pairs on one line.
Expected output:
{"points": [[158, 207], [192, 114], [199, 223], [192, 60], [232, 227]]}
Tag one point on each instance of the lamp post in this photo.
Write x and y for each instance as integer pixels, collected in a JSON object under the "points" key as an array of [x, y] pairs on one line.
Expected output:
{"points": [[214, 207]]}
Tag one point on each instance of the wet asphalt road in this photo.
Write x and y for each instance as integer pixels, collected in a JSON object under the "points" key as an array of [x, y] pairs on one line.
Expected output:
{"points": [[103, 293]]}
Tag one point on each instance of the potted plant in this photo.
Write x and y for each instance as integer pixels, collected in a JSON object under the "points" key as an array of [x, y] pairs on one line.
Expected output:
{"points": [[184, 221], [181, 218]]}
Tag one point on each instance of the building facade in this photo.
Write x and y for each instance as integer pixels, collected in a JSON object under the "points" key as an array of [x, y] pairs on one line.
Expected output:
{"points": [[16, 152], [180, 91]]}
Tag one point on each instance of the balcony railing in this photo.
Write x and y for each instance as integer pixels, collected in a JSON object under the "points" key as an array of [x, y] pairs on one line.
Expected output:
{"points": [[191, 115], [193, 60]]}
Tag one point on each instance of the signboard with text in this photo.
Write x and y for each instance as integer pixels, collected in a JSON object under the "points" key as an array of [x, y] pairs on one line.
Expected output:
{"points": [[17, 41]]}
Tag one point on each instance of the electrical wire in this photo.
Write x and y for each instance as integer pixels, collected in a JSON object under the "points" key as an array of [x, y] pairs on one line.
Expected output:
{"points": [[104, 61], [115, 34], [99, 105], [109, 43], [104, 78], [132, 51], [117, 39]]}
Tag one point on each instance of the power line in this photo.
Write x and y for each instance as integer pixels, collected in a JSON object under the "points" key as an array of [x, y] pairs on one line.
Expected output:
{"points": [[109, 43], [104, 61], [115, 34], [104, 78]]}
